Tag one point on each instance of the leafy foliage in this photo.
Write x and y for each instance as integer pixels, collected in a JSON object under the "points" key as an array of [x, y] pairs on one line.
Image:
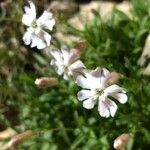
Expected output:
{"points": [[55, 114]]}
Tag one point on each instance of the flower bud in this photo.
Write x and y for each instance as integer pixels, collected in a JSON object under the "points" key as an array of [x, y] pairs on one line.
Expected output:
{"points": [[113, 79], [45, 82], [8, 133], [121, 141], [79, 48], [20, 138]]}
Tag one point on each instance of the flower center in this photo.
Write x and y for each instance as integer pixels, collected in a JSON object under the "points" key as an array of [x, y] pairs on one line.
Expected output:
{"points": [[65, 68], [99, 92], [34, 24]]}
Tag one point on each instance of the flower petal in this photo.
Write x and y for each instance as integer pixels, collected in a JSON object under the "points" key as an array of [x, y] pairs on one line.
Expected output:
{"points": [[41, 40], [56, 64], [105, 73], [28, 36], [106, 107], [78, 65], [73, 56], [34, 40], [83, 82], [30, 14], [121, 97], [89, 103], [102, 108], [89, 81], [40, 43], [76, 69], [84, 94], [96, 73], [37, 42], [97, 78], [100, 72], [58, 68], [65, 55], [46, 21], [56, 54], [114, 89], [47, 38]]}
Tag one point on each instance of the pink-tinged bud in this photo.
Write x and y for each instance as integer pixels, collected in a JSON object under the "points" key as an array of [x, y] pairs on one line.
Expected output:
{"points": [[45, 82], [113, 79], [79, 48], [121, 141], [8, 133], [20, 138]]}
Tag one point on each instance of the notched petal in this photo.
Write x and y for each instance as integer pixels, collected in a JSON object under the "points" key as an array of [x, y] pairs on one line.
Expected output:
{"points": [[46, 20], [107, 108], [89, 103], [121, 97], [84, 94]]}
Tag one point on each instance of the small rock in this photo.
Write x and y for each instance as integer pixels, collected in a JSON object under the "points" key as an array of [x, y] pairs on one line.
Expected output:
{"points": [[104, 8], [146, 52], [67, 8]]}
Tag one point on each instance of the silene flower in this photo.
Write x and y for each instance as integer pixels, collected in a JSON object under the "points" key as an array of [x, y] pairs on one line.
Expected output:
{"points": [[36, 36], [96, 88], [66, 63]]}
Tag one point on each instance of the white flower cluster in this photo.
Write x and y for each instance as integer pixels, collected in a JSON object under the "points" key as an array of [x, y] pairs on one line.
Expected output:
{"points": [[36, 36], [94, 82]]}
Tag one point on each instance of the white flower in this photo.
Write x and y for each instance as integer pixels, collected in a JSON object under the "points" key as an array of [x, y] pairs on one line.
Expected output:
{"points": [[66, 63], [36, 34], [95, 87]]}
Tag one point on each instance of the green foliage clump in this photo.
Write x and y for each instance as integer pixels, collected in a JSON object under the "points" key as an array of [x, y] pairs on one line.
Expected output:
{"points": [[54, 114]]}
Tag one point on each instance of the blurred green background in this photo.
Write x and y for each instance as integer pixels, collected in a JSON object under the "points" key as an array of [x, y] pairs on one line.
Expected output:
{"points": [[54, 114]]}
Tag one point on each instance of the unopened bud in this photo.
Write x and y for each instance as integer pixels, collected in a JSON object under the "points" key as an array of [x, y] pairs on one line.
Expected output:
{"points": [[113, 79], [8, 133], [20, 138], [45, 82], [79, 48], [121, 141]]}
